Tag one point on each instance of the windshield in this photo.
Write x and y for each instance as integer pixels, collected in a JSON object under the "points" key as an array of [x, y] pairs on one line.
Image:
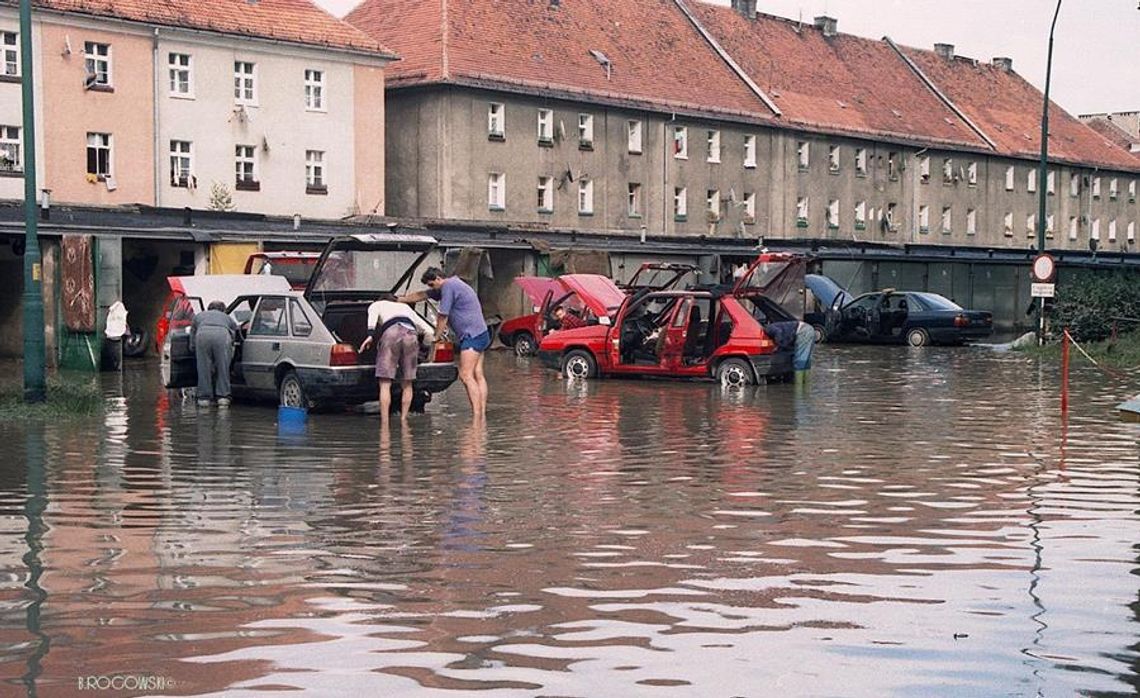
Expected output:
{"points": [[934, 301], [662, 279], [364, 270]]}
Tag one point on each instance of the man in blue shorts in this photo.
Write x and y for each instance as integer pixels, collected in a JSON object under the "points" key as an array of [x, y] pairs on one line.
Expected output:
{"points": [[459, 307]]}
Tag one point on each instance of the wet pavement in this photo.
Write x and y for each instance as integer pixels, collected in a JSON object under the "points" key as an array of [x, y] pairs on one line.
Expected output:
{"points": [[914, 522]]}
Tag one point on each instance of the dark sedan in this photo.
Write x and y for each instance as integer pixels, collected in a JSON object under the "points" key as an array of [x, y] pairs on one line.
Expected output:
{"points": [[916, 318]]}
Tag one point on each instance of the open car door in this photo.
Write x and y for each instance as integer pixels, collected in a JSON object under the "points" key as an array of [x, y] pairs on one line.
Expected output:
{"points": [[179, 365]]}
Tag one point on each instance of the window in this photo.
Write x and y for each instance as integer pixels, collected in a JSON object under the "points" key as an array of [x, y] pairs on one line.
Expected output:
{"points": [[891, 223], [1113, 188], [586, 131], [1031, 225], [545, 126], [948, 171], [1049, 226], [680, 203], [861, 215], [750, 151], [10, 149], [1132, 192], [971, 221], [892, 165], [1074, 184], [314, 90], [712, 204], [803, 154], [1051, 182], [99, 155], [545, 195], [972, 174], [714, 146], [178, 69], [245, 167], [924, 169], [681, 142], [1131, 232], [270, 318], [924, 219], [947, 221], [1096, 187], [833, 158], [497, 191], [302, 326], [495, 120], [1095, 235], [633, 201], [833, 214], [1009, 178], [802, 212], [1031, 181], [315, 172], [585, 197], [633, 136], [181, 162], [97, 64], [1007, 225], [1112, 230], [861, 162], [10, 54], [749, 207], [245, 85], [1073, 227]]}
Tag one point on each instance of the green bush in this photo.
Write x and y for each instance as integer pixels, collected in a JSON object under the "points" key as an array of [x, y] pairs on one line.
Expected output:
{"points": [[1087, 303]]}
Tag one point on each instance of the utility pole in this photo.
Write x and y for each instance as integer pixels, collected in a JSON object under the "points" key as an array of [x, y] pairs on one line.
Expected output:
{"points": [[35, 384], [1042, 173]]}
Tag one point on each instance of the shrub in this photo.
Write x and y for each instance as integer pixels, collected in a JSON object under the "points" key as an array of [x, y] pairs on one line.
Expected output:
{"points": [[1087, 302]]}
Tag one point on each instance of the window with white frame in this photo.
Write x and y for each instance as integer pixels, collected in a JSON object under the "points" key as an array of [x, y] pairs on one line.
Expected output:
{"points": [[497, 191], [96, 64], [1009, 174], [713, 146], [749, 207], [972, 174], [833, 214], [924, 169], [861, 161], [9, 54], [1031, 225], [314, 89], [892, 223], [1113, 185], [245, 82], [1096, 187], [947, 220], [750, 151], [860, 215], [1049, 226], [245, 166], [495, 121], [833, 158], [315, 171], [633, 200], [179, 68], [948, 171], [1031, 181], [680, 203], [181, 163], [585, 197], [586, 130], [99, 155], [1074, 226], [1051, 182], [10, 160], [1007, 224], [1132, 192], [1095, 234], [1074, 184], [712, 204], [1112, 230], [681, 142], [924, 219], [545, 194], [1131, 231], [545, 126], [803, 154], [971, 221], [802, 211], [633, 136]]}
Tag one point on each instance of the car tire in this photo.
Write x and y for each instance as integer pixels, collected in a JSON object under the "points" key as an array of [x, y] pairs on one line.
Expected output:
{"points": [[820, 333], [135, 343], [290, 391], [524, 344], [917, 337], [734, 373], [579, 364]]}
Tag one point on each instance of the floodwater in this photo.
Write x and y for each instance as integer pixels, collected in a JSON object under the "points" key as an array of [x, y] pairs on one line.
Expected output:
{"points": [[914, 522]]}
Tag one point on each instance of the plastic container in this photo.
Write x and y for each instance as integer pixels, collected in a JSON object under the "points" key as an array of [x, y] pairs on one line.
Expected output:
{"points": [[291, 420]]}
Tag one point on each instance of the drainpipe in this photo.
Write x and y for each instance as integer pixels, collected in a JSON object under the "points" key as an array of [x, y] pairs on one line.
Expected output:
{"points": [[667, 152], [156, 89]]}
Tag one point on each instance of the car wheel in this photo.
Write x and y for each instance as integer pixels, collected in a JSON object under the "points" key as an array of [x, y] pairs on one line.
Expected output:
{"points": [[917, 337], [579, 363], [820, 334], [525, 344], [291, 392], [734, 373]]}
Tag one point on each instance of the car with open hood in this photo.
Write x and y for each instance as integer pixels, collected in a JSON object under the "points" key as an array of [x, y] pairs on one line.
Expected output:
{"points": [[716, 333], [300, 348]]}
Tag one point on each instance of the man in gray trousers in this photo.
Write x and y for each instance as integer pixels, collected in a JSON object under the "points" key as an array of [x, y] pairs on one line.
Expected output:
{"points": [[212, 336]]}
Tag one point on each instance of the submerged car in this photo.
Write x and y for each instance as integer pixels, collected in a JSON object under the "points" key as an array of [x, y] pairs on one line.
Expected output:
{"points": [[916, 318], [300, 348], [296, 267]]}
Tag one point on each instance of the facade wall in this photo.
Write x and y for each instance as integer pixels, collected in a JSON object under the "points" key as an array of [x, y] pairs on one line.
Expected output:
{"points": [[11, 114], [369, 138]]}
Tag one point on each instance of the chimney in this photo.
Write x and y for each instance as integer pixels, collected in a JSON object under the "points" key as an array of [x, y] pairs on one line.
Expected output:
{"points": [[945, 51], [1003, 64], [828, 25], [745, 7]]}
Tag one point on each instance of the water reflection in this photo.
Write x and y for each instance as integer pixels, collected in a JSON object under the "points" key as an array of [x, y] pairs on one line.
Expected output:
{"points": [[914, 522]]}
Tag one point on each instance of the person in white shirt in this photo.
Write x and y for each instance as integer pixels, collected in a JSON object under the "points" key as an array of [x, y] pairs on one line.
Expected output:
{"points": [[395, 327]]}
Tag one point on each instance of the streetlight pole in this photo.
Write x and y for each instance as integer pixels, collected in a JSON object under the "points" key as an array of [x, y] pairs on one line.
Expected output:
{"points": [[1042, 173], [35, 385]]}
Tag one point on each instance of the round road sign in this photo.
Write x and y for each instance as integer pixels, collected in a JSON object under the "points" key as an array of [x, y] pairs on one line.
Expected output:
{"points": [[1044, 268]]}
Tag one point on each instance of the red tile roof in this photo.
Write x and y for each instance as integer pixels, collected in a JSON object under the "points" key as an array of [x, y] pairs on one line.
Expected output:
{"points": [[657, 58], [1008, 110], [294, 21], [1113, 133], [839, 83]]}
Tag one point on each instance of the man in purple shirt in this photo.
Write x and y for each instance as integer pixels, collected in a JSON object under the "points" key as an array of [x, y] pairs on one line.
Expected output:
{"points": [[459, 307]]}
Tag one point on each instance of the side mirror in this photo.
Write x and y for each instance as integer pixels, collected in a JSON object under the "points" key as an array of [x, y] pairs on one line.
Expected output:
{"points": [[605, 321]]}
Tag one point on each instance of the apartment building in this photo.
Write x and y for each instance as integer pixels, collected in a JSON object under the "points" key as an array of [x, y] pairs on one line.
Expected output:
{"points": [[276, 109]]}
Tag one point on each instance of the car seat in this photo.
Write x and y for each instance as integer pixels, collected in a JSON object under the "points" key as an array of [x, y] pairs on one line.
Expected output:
{"points": [[692, 332]]}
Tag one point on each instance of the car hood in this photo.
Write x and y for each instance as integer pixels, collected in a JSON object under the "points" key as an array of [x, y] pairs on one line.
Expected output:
{"points": [[823, 288], [598, 293], [226, 287], [536, 287]]}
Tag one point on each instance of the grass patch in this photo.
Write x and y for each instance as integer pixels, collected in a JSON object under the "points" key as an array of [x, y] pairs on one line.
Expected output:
{"points": [[65, 398], [1122, 353]]}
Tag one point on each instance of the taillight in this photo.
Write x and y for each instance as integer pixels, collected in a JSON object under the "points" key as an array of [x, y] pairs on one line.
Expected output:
{"points": [[445, 352], [343, 355], [961, 321]]}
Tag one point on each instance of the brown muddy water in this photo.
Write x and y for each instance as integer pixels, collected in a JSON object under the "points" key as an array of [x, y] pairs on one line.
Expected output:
{"points": [[914, 522]]}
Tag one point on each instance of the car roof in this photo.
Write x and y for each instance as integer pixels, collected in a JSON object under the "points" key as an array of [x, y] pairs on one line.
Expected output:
{"points": [[227, 287]]}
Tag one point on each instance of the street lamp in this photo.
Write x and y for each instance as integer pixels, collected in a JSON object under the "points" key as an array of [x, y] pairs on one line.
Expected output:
{"points": [[1041, 174], [35, 385]]}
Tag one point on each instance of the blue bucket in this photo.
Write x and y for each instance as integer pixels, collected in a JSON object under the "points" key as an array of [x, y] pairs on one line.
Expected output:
{"points": [[291, 419]]}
